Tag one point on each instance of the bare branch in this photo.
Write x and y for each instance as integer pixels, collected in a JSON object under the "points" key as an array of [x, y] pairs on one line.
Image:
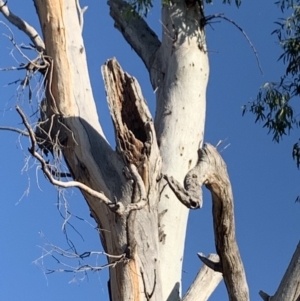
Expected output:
{"points": [[191, 194], [289, 288], [224, 226], [205, 282], [212, 264], [12, 129], [56, 253], [48, 174], [221, 16], [117, 207], [136, 31], [264, 296], [23, 26], [211, 170], [184, 196], [80, 12]]}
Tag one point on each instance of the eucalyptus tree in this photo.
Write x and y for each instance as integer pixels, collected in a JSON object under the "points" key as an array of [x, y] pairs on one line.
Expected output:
{"points": [[140, 193]]}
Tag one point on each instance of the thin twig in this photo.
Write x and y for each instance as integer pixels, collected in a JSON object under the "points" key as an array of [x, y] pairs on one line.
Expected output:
{"points": [[221, 16], [48, 174], [57, 173], [12, 129], [54, 251]]}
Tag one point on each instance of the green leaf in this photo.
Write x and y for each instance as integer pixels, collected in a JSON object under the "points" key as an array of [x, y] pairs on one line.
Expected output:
{"points": [[277, 103]]}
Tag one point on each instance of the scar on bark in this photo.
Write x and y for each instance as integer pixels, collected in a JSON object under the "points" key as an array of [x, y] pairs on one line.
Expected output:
{"points": [[148, 295]]}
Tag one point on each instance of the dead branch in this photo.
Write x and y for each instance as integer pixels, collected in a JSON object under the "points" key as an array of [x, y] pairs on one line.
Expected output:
{"points": [[117, 207], [211, 170], [186, 197], [44, 166], [211, 263], [205, 282], [221, 16], [80, 12], [23, 26], [16, 130], [55, 252], [191, 194], [224, 226]]}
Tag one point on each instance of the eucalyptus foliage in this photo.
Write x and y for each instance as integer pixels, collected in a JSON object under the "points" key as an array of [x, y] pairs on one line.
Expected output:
{"points": [[277, 103], [144, 6]]}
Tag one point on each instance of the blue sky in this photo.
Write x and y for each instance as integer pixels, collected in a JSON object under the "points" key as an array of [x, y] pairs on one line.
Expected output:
{"points": [[264, 177]]}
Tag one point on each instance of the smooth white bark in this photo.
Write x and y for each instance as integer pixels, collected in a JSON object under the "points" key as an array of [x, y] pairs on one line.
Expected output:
{"points": [[179, 121]]}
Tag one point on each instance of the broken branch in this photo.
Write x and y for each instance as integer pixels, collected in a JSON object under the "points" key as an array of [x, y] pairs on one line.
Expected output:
{"points": [[205, 282], [212, 264]]}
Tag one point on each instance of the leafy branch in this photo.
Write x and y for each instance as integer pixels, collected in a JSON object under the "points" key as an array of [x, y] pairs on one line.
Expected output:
{"points": [[276, 104]]}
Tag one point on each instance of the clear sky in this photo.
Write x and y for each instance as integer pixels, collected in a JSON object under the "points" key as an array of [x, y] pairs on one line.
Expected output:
{"points": [[264, 177]]}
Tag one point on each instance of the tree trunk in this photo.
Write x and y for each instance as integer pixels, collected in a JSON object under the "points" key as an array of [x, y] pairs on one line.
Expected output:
{"points": [[136, 193], [152, 238], [179, 122]]}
